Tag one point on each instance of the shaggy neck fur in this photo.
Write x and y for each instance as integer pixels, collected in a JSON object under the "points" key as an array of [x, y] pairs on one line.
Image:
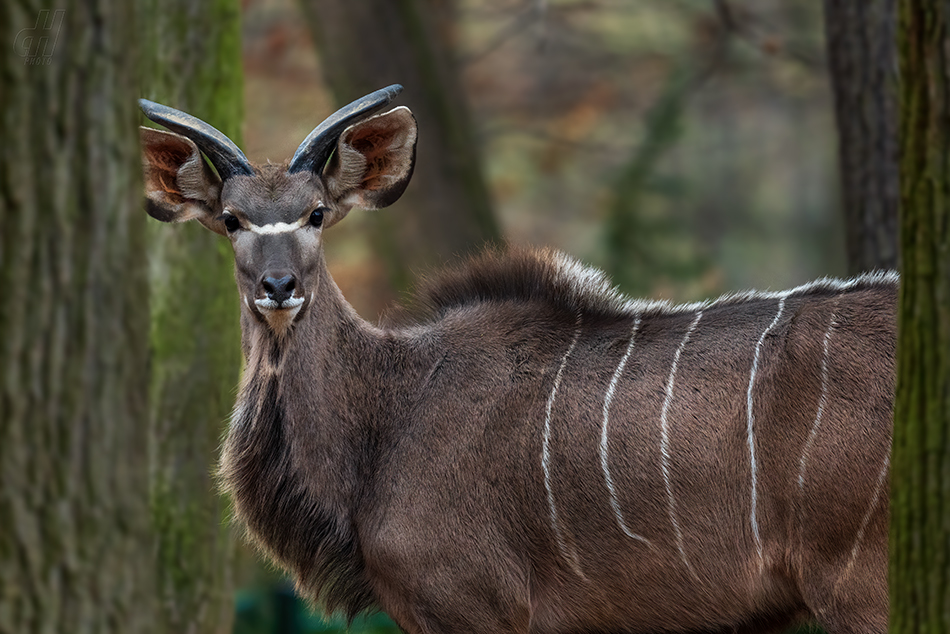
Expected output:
{"points": [[294, 455]]}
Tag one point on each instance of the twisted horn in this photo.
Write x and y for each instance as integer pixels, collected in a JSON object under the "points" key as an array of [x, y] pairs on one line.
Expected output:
{"points": [[226, 157], [319, 144]]}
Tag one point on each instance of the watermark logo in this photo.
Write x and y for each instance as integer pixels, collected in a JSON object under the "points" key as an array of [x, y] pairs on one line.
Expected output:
{"points": [[36, 45]]}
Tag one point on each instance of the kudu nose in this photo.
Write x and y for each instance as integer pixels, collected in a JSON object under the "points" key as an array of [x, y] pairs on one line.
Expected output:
{"points": [[279, 289]]}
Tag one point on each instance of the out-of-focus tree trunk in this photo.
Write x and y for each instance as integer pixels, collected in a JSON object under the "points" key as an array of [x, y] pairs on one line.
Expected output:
{"points": [[75, 544], [862, 60], [366, 45], [632, 259], [920, 476], [192, 54]]}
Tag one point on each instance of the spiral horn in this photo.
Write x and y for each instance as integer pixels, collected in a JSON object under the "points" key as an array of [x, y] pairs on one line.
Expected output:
{"points": [[227, 158], [317, 147]]}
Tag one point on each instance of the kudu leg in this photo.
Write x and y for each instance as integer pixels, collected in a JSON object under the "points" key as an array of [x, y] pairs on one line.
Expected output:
{"points": [[428, 591], [453, 611], [861, 609], [851, 596]]}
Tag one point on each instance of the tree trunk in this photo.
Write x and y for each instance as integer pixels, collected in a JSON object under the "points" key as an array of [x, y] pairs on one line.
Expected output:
{"points": [[193, 62], [75, 544], [920, 476], [862, 61], [446, 211], [633, 259]]}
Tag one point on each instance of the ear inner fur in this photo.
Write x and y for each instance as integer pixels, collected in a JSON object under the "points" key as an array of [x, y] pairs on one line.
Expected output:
{"points": [[179, 184], [374, 160]]}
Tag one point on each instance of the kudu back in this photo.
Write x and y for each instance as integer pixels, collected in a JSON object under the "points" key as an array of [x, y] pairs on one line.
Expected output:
{"points": [[523, 449]]}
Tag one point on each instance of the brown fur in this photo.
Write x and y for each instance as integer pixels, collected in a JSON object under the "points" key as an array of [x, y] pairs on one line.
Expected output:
{"points": [[447, 467]]}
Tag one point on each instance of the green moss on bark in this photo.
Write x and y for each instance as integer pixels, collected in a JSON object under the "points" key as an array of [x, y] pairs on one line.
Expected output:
{"points": [[193, 54], [920, 495], [75, 543]]}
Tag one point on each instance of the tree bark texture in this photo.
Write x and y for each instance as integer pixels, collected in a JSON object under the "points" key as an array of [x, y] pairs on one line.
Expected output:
{"points": [[862, 63], [920, 494], [193, 63], [75, 544], [363, 46]]}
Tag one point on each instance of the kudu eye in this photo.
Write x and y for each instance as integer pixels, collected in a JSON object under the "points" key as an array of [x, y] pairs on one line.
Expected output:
{"points": [[316, 216], [231, 223]]}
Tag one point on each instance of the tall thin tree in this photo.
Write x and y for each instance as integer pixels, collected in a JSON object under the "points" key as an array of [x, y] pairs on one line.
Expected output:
{"points": [[920, 488], [862, 64], [448, 207]]}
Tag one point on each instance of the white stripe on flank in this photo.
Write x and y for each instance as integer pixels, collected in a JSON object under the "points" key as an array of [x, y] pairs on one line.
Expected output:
{"points": [[566, 551], [882, 476], [822, 401], [665, 442], [753, 520], [608, 399]]}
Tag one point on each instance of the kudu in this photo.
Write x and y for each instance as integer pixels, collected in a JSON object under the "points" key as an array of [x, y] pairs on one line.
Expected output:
{"points": [[525, 450]]}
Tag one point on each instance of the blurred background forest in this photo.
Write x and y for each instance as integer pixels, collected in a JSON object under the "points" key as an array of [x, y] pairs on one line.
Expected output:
{"points": [[719, 134], [687, 147]]}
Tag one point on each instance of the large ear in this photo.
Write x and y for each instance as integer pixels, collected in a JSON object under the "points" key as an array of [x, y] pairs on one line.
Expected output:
{"points": [[179, 185], [373, 161]]}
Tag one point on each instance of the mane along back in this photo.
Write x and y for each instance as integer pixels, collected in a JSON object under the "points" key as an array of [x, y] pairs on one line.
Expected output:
{"points": [[515, 274], [552, 278]]}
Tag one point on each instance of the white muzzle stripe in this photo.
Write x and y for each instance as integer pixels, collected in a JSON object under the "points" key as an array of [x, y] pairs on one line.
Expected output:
{"points": [[269, 304]]}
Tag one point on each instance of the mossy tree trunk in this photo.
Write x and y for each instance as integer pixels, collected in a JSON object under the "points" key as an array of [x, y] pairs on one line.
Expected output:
{"points": [[446, 211], [920, 476], [75, 544], [862, 64], [192, 62]]}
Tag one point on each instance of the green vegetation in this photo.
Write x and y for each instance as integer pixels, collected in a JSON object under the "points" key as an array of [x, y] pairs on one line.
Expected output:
{"points": [[274, 608]]}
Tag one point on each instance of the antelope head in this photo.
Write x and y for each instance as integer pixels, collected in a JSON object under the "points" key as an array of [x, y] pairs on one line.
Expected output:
{"points": [[274, 215]]}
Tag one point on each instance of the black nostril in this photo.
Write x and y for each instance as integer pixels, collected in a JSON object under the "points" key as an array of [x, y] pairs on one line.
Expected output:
{"points": [[279, 289]]}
